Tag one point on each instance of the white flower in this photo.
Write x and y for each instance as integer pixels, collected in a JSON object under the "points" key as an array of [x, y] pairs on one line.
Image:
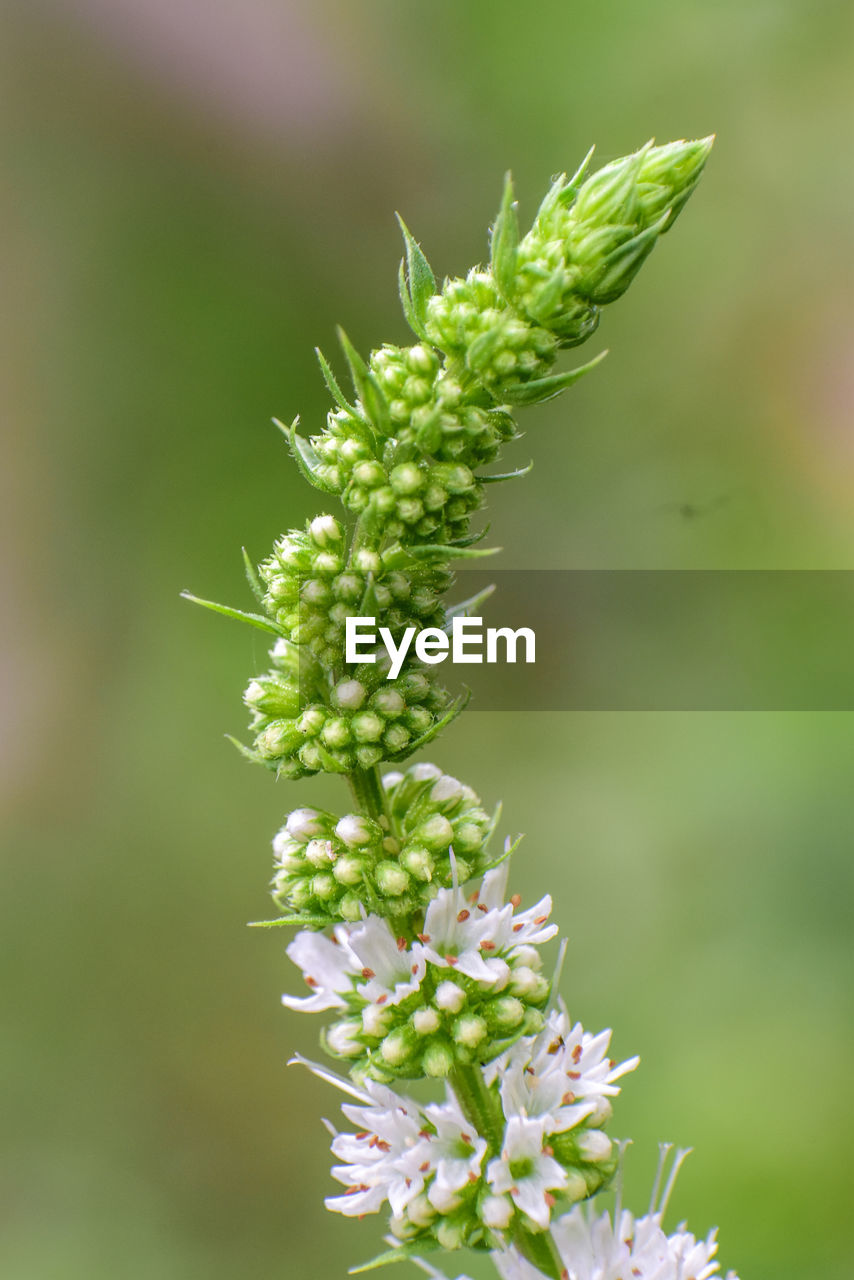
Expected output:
{"points": [[391, 971], [561, 1075], [400, 1151], [328, 966], [383, 1159], [474, 936], [455, 1152], [525, 1171], [593, 1249], [598, 1247]]}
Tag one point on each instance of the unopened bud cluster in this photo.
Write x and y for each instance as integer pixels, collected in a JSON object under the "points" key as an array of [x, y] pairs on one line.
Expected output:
{"points": [[364, 718], [332, 869], [590, 238], [305, 723]]}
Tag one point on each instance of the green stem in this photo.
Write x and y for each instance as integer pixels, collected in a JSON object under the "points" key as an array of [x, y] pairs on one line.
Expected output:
{"points": [[478, 1105], [368, 792], [541, 1251]]}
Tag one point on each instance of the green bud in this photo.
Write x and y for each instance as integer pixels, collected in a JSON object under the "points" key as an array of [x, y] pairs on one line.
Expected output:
{"points": [[469, 1031], [336, 733], [507, 1012], [425, 1021], [325, 531], [348, 869], [349, 695], [397, 1046], [406, 478], [437, 833], [438, 1060], [450, 1234], [350, 908], [367, 727], [418, 862], [388, 703], [323, 886], [391, 879]]}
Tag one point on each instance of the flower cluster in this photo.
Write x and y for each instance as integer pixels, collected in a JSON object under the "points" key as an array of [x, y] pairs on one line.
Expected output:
{"points": [[599, 1246], [444, 1181], [423, 978], [466, 987], [332, 869]]}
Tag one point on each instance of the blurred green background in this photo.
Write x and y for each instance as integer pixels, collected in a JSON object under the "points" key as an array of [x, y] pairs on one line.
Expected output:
{"points": [[192, 195]]}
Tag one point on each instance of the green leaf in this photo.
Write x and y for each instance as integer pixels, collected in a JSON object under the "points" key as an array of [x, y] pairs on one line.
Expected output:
{"points": [[464, 608], [406, 302], [252, 577], [447, 551], [305, 457], [306, 921], [471, 538], [506, 475], [254, 619], [505, 242], [334, 388], [456, 709], [248, 752], [367, 388], [542, 389], [420, 281], [399, 1253]]}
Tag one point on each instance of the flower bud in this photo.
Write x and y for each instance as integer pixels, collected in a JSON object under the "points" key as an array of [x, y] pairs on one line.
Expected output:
{"points": [[507, 1012], [450, 997], [469, 1030], [397, 1046], [391, 879], [438, 1060], [497, 1212], [341, 1039], [353, 829], [348, 870], [303, 824], [325, 531], [450, 1234], [426, 1021], [349, 695], [319, 852], [418, 862], [593, 1146], [375, 1020]]}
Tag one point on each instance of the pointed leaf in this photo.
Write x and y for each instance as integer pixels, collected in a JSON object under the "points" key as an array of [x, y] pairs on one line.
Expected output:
{"points": [[400, 1253], [542, 389], [505, 242], [254, 619], [306, 921], [306, 458], [506, 475], [334, 387], [420, 279], [456, 709], [252, 577], [367, 388], [470, 539], [247, 751], [406, 302], [465, 607], [446, 551]]}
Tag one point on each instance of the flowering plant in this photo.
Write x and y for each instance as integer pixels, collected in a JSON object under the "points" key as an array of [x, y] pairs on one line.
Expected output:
{"points": [[407, 937]]}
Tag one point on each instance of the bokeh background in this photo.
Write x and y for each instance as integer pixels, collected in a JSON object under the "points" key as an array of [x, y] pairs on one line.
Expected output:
{"points": [[192, 195]]}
